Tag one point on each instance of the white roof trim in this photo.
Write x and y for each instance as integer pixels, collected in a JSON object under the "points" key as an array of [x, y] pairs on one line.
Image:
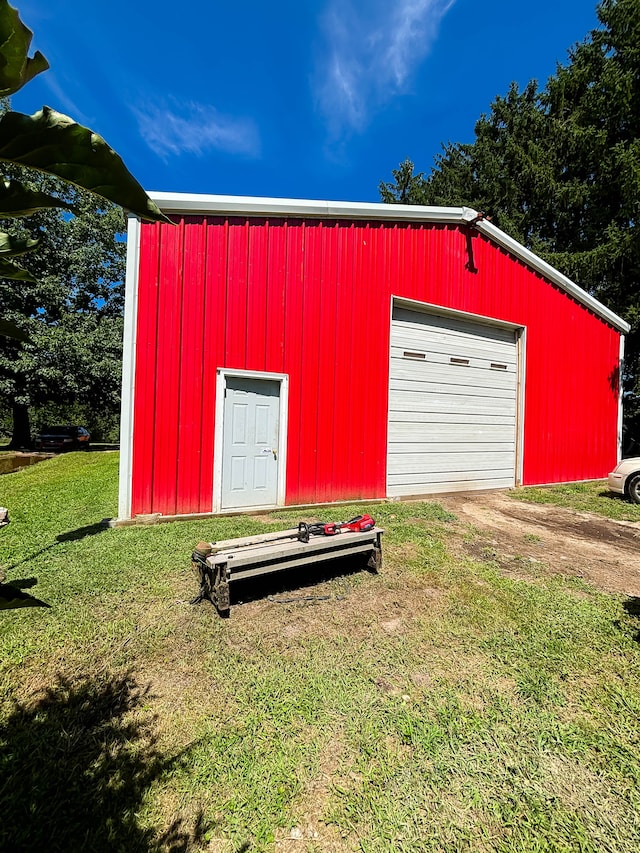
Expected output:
{"points": [[532, 260], [195, 203]]}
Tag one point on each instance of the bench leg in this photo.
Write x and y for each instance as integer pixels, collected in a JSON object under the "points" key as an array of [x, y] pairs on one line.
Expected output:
{"points": [[375, 559], [220, 592], [213, 588]]}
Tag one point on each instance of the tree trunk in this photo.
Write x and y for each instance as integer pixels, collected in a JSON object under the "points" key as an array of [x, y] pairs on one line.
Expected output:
{"points": [[21, 437]]}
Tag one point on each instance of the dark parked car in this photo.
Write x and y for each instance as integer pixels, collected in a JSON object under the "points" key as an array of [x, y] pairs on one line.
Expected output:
{"points": [[57, 439]]}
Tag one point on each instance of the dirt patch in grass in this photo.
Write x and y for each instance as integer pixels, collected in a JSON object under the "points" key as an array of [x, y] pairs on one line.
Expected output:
{"points": [[527, 540], [340, 600], [311, 829]]}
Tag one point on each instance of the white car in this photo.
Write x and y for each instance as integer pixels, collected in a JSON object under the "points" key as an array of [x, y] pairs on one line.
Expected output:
{"points": [[625, 480]]}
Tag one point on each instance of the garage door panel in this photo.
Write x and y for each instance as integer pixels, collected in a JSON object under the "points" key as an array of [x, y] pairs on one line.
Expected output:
{"points": [[451, 425], [451, 328], [427, 418], [449, 462], [415, 479], [448, 484], [459, 374], [460, 404], [425, 434], [450, 345], [407, 318], [414, 450], [419, 354], [477, 389]]}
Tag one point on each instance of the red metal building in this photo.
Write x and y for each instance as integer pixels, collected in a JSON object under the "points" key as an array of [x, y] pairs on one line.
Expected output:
{"points": [[292, 352]]}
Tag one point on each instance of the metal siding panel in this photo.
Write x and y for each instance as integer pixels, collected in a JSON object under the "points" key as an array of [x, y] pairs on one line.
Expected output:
{"points": [[327, 376], [362, 467], [236, 328], [168, 358], [144, 388], [353, 463], [191, 362], [293, 352], [215, 276], [377, 341], [310, 366], [257, 263], [276, 291], [342, 400]]}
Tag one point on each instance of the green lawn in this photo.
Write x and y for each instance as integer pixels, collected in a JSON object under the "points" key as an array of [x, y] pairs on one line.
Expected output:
{"points": [[437, 706], [583, 497]]}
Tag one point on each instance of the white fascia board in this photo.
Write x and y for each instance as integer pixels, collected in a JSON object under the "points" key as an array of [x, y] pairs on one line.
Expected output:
{"points": [[229, 205], [194, 204], [534, 262]]}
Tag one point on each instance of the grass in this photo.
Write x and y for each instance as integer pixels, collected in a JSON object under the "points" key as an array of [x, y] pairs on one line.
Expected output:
{"points": [[583, 497], [437, 706]]}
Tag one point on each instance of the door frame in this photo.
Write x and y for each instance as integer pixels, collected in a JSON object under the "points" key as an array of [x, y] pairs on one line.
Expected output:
{"points": [[221, 386], [520, 331]]}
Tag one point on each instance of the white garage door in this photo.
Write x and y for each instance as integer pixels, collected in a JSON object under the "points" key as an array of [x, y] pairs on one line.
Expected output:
{"points": [[452, 405]]}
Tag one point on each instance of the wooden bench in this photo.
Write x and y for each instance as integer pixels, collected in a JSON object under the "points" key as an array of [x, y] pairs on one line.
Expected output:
{"points": [[218, 564]]}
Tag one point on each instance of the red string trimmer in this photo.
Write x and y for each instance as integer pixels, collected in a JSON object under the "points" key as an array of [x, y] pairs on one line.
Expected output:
{"points": [[358, 524]]}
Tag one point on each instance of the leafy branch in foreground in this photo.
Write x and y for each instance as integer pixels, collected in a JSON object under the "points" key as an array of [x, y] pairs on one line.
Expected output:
{"points": [[54, 144]]}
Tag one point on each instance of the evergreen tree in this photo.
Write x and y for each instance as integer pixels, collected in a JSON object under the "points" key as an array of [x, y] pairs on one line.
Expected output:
{"points": [[559, 170]]}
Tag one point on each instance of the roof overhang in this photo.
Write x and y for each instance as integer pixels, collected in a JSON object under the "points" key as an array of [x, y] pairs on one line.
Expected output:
{"points": [[190, 204]]}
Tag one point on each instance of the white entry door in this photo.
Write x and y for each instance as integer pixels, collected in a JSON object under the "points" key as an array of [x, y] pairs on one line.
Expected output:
{"points": [[250, 442]]}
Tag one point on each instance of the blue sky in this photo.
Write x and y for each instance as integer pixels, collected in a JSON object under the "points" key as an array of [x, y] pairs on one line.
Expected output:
{"points": [[306, 99]]}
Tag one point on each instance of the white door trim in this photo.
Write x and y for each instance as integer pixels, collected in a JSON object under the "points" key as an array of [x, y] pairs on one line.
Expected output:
{"points": [[221, 384]]}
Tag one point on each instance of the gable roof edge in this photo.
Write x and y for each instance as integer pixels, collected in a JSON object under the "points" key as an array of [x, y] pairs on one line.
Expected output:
{"points": [[191, 204], [545, 269]]}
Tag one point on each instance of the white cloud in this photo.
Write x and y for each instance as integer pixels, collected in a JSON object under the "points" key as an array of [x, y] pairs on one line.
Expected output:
{"points": [[369, 52], [171, 129], [62, 102]]}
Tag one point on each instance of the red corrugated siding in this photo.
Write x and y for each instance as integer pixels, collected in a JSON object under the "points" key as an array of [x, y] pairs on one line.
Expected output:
{"points": [[312, 299]]}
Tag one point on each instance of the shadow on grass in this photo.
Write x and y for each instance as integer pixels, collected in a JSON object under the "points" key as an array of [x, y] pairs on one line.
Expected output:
{"points": [[69, 536], [614, 496], [74, 769], [632, 608], [12, 596], [298, 580]]}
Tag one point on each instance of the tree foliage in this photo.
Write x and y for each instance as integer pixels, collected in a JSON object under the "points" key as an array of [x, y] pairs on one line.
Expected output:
{"points": [[71, 313], [558, 168]]}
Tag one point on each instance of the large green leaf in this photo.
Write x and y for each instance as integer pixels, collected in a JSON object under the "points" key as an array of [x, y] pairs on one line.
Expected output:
{"points": [[16, 199], [16, 67], [12, 246], [10, 330], [14, 272], [53, 143]]}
